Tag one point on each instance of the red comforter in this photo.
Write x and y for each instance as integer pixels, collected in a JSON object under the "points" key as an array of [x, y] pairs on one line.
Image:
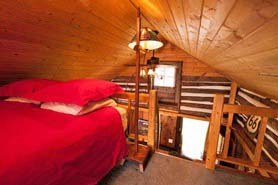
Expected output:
{"points": [[44, 147]]}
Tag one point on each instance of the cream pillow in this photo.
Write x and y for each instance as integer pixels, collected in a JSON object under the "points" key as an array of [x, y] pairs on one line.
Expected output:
{"points": [[22, 100], [74, 109], [94, 105], [62, 107]]}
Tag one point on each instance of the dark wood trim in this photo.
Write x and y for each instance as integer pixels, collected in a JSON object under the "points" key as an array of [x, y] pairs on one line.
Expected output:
{"points": [[206, 91], [204, 79], [188, 83], [195, 105], [196, 98]]}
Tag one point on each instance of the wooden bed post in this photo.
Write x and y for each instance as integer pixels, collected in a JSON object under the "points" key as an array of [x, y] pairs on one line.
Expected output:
{"points": [[152, 119], [214, 129]]}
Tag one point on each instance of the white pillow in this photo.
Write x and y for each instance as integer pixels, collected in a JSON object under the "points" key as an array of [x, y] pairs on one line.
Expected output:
{"points": [[62, 107], [22, 100], [74, 109], [95, 105]]}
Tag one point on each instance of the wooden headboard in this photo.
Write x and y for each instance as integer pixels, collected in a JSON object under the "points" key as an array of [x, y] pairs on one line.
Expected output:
{"points": [[150, 100]]}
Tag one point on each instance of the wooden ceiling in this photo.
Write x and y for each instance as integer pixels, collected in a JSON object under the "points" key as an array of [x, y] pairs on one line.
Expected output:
{"points": [[239, 38], [65, 39]]}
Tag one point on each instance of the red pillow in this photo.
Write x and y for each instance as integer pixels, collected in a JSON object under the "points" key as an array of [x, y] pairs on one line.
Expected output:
{"points": [[22, 87], [78, 92]]}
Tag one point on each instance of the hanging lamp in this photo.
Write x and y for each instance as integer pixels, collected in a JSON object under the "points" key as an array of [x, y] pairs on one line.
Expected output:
{"points": [[148, 40]]}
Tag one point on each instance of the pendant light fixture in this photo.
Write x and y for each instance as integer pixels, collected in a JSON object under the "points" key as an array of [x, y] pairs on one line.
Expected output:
{"points": [[153, 60], [148, 40]]}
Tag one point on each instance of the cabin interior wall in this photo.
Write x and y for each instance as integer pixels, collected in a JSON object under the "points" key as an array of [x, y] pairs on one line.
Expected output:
{"points": [[169, 52]]}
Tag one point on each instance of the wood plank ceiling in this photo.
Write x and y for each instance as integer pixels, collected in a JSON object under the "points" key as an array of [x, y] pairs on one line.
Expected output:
{"points": [[239, 38], [66, 39]]}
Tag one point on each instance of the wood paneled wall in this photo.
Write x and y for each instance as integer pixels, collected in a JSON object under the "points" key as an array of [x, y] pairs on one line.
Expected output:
{"points": [[199, 81], [198, 91], [169, 52]]}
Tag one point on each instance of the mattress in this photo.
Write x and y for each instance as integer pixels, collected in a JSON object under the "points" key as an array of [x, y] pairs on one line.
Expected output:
{"points": [[45, 147], [123, 112]]}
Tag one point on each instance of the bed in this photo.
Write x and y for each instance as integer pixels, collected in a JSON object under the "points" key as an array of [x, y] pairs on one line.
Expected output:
{"points": [[41, 146], [78, 144]]}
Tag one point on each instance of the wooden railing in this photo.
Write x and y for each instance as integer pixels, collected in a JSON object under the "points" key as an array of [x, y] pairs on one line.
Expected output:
{"points": [[219, 108], [151, 100]]}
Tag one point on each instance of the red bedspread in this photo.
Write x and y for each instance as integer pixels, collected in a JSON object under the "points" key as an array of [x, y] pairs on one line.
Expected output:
{"points": [[44, 147]]}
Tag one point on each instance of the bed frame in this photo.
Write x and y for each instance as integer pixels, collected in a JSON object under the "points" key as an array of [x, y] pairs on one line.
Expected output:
{"points": [[152, 137], [149, 99]]}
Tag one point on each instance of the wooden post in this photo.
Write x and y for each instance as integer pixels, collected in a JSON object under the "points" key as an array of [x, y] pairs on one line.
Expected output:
{"points": [[230, 120], [152, 119], [129, 115], [137, 77], [214, 129], [260, 141]]}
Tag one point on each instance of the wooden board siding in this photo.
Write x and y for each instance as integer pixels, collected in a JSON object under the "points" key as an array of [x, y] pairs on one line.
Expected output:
{"points": [[197, 94], [270, 145], [199, 81], [128, 83]]}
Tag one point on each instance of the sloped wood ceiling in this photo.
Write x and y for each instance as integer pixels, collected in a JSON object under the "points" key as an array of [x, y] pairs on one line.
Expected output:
{"points": [[239, 38], [65, 39]]}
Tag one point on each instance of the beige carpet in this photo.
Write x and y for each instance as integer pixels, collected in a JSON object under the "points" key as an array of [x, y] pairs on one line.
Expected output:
{"points": [[163, 170]]}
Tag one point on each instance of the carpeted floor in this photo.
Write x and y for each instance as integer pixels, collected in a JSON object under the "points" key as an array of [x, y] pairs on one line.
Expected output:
{"points": [[163, 170]]}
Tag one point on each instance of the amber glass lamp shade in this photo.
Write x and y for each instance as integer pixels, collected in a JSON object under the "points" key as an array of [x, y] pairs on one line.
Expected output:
{"points": [[148, 40]]}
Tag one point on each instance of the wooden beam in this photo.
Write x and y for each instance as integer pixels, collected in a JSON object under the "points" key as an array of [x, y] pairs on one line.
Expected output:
{"points": [[172, 113], [241, 138], [151, 99], [230, 120], [240, 162], [126, 95], [214, 129], [260, 141], [129, 115], [244, 145], [250, 110], [141, 109]]}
